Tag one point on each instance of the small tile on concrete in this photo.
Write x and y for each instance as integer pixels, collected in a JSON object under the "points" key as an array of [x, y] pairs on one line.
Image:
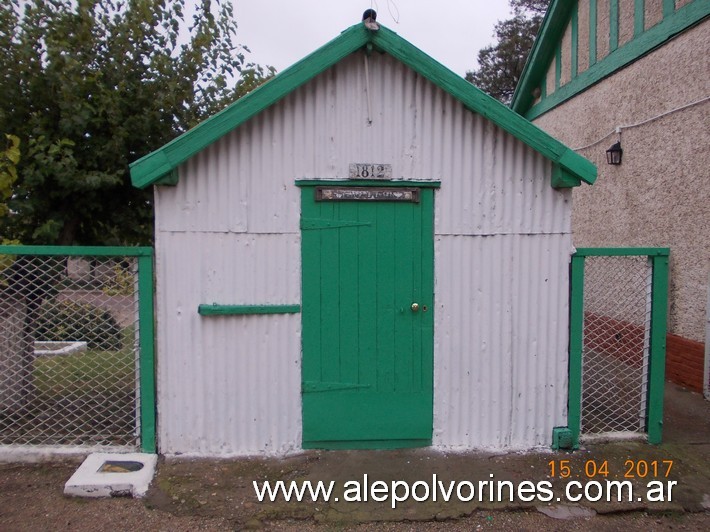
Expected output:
{"points": [[112, 475], [566, 512]]}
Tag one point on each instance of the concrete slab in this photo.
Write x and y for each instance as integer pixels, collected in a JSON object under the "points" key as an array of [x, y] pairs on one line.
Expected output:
{"points": [[112, 475], [566, 512]]}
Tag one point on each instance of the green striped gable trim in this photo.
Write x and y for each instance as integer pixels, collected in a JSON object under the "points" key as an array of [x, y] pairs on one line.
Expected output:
{"points": [[552, 30], [159, 166]]}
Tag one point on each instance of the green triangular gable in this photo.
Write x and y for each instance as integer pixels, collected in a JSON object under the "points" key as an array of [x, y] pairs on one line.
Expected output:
{"points": [[159, 165]]}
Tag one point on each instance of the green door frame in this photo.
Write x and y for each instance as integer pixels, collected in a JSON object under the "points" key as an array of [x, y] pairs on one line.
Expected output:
{"points": [[348, 391], [659, 258]]}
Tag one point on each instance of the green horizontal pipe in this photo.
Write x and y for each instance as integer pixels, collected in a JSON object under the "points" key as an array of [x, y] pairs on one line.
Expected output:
{"points": [[621, 252], [242, 310], [95, 251]]}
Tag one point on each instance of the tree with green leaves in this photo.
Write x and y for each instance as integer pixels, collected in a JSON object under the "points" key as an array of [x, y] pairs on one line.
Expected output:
{"points": [[89, 86], [9, 157], [500, 65]]}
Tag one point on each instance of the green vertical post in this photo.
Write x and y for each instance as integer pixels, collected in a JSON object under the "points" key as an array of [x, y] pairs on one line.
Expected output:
{"points": [[639, 15], [668, 8], [613, 25], [576, 344], [147, 353], [657, 362], [558, 66], [575, 42], [592, 32]]}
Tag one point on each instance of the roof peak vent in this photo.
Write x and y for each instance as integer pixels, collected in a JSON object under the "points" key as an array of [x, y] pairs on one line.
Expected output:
{"points": [[368, 18]]}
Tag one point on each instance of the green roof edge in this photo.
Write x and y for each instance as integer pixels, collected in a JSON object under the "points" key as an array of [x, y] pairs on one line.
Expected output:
{"points": [[151, 168], [479, 102], [551, 30]]}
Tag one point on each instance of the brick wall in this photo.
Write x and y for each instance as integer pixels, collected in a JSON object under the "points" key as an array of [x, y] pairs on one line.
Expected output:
{"points": [[617, 338], [685, 361]]}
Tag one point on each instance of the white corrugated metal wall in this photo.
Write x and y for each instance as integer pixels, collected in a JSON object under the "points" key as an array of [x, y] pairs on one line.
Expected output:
{"points": [[229, 233]]}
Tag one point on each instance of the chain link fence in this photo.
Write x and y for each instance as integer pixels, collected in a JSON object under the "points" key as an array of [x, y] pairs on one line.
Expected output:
{"points": [[615, 357], [69, 350]]}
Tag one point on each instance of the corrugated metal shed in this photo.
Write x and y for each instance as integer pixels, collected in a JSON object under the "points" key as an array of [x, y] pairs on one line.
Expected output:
{"points": [[229, 233]]}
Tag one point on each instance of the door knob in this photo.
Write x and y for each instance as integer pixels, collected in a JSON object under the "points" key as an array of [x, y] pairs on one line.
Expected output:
{"points": [[415, 307]]}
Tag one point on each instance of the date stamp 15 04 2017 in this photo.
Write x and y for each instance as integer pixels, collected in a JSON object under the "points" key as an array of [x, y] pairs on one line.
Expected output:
{"points": [[594, 469]]}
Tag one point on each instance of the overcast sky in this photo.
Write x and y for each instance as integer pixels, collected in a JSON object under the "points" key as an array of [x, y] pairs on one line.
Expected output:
{"points": [[281, 32]]}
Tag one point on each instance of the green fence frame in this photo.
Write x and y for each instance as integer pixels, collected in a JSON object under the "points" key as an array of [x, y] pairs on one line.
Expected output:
{"points": [[659, 258], [144, 256]]}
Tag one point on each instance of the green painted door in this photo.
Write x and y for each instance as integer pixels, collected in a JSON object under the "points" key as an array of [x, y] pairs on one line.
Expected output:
{"points": [[367, 372]]}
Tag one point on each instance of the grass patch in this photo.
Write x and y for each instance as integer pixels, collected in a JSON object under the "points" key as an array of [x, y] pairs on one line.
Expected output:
{"points": [[91, 371]]}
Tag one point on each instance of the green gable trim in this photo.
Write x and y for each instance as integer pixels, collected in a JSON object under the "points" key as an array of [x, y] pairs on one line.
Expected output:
{"points": [[613, 25], [639, 16], [575, 42], [543, 52], [246, 310], [592, 32], [481, 103], [153, 167], [668, 7]]}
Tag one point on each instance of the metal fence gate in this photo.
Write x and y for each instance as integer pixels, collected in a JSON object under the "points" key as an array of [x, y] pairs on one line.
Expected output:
{"points": [[76, 347], [617, 342]]}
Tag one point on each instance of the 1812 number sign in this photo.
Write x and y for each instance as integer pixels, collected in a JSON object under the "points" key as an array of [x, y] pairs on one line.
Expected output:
{"points": [[370, 171]]}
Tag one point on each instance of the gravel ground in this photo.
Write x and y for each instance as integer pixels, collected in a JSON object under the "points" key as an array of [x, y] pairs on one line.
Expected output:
{"points": [[31, 499], [217, 495]]}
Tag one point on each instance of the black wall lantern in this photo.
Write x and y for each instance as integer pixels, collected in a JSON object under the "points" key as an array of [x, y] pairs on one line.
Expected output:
{"points": [[613, 154]]}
